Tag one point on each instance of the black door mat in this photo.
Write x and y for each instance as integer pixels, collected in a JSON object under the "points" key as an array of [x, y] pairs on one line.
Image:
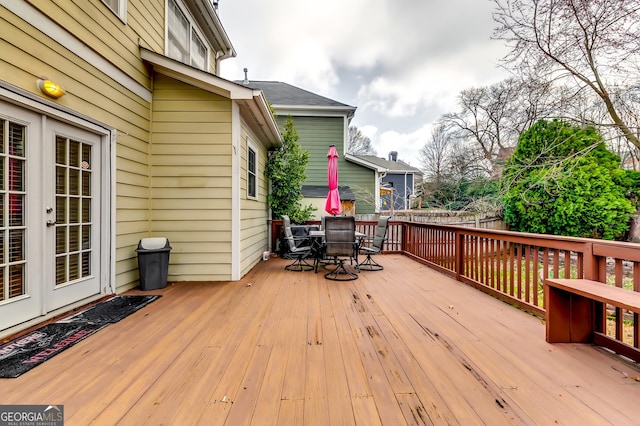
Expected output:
{"points": [[26, 352]]}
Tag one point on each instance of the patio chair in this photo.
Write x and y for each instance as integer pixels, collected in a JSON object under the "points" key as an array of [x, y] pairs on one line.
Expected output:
{"points": [[368, 264], [300, 253], [340, 243]]}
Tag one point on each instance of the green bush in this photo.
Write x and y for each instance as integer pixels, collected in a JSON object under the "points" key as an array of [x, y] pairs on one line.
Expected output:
{"points": [[285, 170], [563, 180]]}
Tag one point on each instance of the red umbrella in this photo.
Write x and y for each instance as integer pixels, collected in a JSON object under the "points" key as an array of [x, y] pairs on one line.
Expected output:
{"points": [[333, 205]]}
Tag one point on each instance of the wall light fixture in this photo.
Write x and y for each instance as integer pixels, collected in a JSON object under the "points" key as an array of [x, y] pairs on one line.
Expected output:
{"points": [[50, 88]]}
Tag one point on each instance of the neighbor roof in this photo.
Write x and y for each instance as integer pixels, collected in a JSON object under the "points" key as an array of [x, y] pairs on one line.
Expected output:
{"points": [[391, 166], [283, 94]]}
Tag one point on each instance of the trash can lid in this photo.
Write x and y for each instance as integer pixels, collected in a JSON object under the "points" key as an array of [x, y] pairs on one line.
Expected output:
{"points": [[153, 243]]}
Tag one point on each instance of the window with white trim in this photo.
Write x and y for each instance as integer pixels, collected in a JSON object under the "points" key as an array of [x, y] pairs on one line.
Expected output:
{"points": [[252, 170], [184, 43], [119, 7]]}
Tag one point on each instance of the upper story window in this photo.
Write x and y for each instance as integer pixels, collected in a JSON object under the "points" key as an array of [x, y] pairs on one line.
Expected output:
{"points": [[183, 41], [252, 170], [119, 7]]}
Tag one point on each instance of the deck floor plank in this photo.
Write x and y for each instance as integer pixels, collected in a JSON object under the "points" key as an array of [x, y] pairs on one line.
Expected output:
{"points": [[406, 345]]}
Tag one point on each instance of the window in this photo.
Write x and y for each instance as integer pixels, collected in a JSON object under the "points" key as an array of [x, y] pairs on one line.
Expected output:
{"points": [[119, 7], [183, 42], [198, 52], [252, 170]]}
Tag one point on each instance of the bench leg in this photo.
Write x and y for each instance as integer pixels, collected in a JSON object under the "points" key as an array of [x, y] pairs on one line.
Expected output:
{"points": [[569, 317]]}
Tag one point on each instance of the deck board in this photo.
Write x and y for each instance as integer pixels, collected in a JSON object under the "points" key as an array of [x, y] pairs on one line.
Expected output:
{"points": [[406, 345]]}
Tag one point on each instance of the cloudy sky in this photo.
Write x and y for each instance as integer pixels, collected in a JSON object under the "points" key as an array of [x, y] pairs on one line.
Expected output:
{"points": [[402, 63]]}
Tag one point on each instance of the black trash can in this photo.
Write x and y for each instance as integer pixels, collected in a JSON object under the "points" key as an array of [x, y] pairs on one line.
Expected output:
{"points": [[153, 262]]}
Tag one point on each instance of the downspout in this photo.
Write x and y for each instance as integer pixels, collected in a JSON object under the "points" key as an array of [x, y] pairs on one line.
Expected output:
{"points": [[221, 56]]}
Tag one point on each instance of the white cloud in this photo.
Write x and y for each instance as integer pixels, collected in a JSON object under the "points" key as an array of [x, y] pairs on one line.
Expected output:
{"points": [[401, 62], [407, 145]]}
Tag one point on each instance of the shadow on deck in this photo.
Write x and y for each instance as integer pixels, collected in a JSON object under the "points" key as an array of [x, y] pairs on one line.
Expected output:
{"points": [[406, 345]]}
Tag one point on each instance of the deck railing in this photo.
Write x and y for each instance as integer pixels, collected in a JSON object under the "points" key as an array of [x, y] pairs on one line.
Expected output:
{"points": [[511, 265]]}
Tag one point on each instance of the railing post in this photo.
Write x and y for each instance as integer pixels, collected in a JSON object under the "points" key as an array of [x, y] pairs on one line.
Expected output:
{"points": [[404, 232], [459, 255], [589, 263]]}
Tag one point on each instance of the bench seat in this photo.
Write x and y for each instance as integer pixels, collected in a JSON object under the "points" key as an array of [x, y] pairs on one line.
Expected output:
{"points": [[574, 312]]}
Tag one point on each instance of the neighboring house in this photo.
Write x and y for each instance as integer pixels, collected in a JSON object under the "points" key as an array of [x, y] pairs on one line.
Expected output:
{"points": [[320, 123], [146, 141], [399, 181]]}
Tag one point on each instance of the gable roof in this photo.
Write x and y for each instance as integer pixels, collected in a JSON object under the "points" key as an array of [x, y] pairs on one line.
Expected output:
{"points": [[252, 102], [286, 96], [390, 166]]}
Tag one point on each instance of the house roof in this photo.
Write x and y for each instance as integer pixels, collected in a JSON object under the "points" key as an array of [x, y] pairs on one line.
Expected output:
{"points": [[286, 96], [253, 104], [390, 166], [321, 191]]}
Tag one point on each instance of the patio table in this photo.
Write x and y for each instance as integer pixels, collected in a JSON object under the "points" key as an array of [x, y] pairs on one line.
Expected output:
{"points": [[317, 245]]}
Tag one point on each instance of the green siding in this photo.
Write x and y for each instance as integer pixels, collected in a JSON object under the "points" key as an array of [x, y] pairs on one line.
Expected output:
{"points": [[316, 135]]}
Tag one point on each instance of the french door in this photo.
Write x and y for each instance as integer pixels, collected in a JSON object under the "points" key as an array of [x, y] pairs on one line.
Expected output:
{"points": [[49, 215]]}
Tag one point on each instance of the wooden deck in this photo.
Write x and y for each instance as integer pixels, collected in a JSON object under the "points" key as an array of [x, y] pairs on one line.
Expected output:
{"points": [[406, 345]]}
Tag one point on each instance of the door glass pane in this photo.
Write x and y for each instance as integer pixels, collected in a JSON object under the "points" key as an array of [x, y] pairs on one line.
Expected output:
{"points": [[16, 280], [74, 238], [61, 210], [86, 210], [61, 180], [74, 181], [61, 239], [74, 154], [61, 150], [73, 210], [61, 270], [13, 166]]}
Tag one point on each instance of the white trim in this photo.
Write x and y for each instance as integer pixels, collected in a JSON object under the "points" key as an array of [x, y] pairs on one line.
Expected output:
{"points": [[121, 13], [107, 134], [251, 146], [59, 34], [367, 164], [194, 76], [40, 105], [254, 100], [316, 111], [236, 129], [111, 250]]}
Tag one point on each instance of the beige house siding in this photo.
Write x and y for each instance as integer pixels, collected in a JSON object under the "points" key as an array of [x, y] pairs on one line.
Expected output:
{"points": [[93, 23], [96, 57], [94, 93], [253, 213], [191, 179]]}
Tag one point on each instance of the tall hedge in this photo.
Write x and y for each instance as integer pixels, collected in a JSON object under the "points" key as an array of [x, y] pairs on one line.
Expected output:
{"points": [[562, 180], [285, 170]]}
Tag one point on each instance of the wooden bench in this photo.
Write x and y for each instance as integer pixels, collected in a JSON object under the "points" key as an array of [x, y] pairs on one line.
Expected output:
{"points": [[575, 312]]}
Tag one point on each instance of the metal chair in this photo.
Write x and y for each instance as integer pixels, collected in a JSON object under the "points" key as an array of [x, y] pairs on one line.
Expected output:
{"points": [[300, 253], [340, 242], [368, 264]]}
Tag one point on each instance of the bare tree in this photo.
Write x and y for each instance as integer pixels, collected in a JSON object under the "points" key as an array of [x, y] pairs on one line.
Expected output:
{"points": [[359, 144], [435, 154], [592, 43], [492, 118]]}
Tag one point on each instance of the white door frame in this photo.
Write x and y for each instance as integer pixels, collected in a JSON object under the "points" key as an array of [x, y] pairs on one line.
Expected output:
{"points": [[22, 98]]}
